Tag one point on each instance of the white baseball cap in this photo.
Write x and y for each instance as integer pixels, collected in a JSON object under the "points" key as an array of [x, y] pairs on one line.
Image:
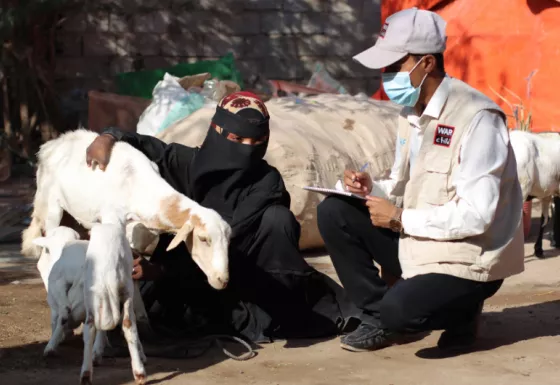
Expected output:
{"points": [[410, 31]]}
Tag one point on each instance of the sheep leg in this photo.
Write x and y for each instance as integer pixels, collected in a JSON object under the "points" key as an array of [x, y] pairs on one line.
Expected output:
{"points": [[539, 253], [143, 321], [54, 213], [56, 338], [60, 310], [133, 341], [99, 347], [89, 334], [555, 235], [42, 266]]}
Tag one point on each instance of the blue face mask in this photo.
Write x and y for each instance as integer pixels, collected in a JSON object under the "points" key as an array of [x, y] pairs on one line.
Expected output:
{"points": [[398, 88]]}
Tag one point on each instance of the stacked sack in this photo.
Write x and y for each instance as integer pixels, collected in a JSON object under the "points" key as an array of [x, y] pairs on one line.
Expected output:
{"points": [[312, 141]]}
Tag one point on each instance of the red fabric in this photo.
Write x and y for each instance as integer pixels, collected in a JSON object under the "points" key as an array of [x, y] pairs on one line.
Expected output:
{"points": [[496, 44]]}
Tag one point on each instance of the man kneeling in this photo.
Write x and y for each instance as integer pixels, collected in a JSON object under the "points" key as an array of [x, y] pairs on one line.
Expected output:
{"points": [[460, 232]]}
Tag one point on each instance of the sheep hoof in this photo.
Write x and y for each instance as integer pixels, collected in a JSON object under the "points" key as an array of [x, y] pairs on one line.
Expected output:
{"points": [[539, 254], [85, 378], [97, 359], [140, 378], [49, 352]]}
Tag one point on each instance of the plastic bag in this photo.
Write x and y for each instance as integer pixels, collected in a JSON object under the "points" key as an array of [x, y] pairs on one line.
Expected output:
{"points": [[170, 103], [323, 81]]}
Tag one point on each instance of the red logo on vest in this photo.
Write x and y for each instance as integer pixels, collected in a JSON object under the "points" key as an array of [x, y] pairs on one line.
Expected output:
{"points": [[443, 135], [383, 30]]}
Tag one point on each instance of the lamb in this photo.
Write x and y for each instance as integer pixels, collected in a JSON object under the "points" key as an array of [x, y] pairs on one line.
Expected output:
{"points": [[538, 168], [89, 281], [53, 244], [129, 188]]}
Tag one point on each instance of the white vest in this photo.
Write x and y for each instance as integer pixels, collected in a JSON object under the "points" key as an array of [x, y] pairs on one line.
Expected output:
{"points": [[495, 254]]}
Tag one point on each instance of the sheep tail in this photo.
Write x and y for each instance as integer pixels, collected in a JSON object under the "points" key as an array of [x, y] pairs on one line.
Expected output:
{"points": [[35, 230]]}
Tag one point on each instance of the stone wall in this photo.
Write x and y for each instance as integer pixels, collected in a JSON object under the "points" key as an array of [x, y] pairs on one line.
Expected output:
{"points": [[279, 39]]}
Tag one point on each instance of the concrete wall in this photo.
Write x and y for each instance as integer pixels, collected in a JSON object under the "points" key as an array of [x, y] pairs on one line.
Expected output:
{"points": [[280, 39]]}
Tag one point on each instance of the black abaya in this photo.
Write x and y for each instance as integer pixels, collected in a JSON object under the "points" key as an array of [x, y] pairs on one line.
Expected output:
{"points": [[273, 292]]}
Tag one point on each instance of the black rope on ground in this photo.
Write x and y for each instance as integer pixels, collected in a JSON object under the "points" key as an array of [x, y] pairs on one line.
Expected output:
{"points": [[181, 350]]}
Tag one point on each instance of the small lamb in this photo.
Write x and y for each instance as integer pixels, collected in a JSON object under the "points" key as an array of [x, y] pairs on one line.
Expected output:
{"points": [[88, 282]]}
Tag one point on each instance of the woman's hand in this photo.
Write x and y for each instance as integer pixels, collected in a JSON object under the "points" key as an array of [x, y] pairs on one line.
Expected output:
{"points": [[99, 151], [145, 271]]}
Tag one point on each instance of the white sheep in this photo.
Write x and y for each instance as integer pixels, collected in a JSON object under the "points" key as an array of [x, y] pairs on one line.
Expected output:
{"points": [[107, 285], [52, 245], [538, 169], [88, 283], [129, 188]]}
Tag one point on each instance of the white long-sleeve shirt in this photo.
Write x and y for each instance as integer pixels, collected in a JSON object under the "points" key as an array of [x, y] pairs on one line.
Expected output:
{"points": [[483, 156]]}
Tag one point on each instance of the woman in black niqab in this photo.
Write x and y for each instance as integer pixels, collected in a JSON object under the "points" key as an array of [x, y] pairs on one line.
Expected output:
{"points": [[272, 292]]}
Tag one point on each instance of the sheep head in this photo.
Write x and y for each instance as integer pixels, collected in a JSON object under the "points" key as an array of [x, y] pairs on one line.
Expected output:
{"points": [[54, 240], [207, 237]]}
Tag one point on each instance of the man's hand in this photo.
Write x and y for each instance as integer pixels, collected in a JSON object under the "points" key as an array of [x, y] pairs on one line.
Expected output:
{"points": [[357, 182], [381, 211], [99, 151], [144, 270]]}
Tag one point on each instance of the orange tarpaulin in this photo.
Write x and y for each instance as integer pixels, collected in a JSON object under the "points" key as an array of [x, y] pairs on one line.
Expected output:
{"points": [[497, 45]]}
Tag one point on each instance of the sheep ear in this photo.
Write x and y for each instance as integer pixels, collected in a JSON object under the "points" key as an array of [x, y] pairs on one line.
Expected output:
{"points": [[41, 241], [181, 236]]}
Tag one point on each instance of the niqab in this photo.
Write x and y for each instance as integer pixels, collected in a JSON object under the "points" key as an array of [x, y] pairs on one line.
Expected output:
{"points": [[233, 178]]}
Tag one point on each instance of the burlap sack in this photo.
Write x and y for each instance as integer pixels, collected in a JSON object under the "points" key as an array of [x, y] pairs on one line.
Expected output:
{"points": [[312, 141]]}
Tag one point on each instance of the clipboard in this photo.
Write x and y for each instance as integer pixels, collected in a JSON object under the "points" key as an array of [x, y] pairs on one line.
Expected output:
{"points": [[330, 191]]}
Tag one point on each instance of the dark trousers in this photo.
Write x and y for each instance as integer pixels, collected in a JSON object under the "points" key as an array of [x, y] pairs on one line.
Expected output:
{"points": [[424, 302], [272, 292]]}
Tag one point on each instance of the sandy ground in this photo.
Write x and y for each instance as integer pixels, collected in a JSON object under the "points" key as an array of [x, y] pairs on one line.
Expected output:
{"points": [[519, 343]]}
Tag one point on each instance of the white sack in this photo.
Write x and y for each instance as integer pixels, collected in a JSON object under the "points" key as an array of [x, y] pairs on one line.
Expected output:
{"points": [[170, 103], [312, 141]]}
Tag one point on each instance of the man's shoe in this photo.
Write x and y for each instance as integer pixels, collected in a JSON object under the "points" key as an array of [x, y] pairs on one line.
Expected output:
{"points": [[366, 338], [461, 337]]}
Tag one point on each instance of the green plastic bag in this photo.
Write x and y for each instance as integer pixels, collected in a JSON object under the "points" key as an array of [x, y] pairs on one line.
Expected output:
{"points": [[142, 83]]}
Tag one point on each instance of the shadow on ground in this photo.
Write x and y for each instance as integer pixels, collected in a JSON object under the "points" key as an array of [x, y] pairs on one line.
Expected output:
{"points": [[508, 327]]}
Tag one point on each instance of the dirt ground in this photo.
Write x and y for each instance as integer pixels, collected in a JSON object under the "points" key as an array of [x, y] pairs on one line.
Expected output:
{"points": [[519, 343]]}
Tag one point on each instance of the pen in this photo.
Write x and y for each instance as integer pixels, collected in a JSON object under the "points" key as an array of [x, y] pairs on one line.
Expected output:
{"points": [[362, 169]]}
